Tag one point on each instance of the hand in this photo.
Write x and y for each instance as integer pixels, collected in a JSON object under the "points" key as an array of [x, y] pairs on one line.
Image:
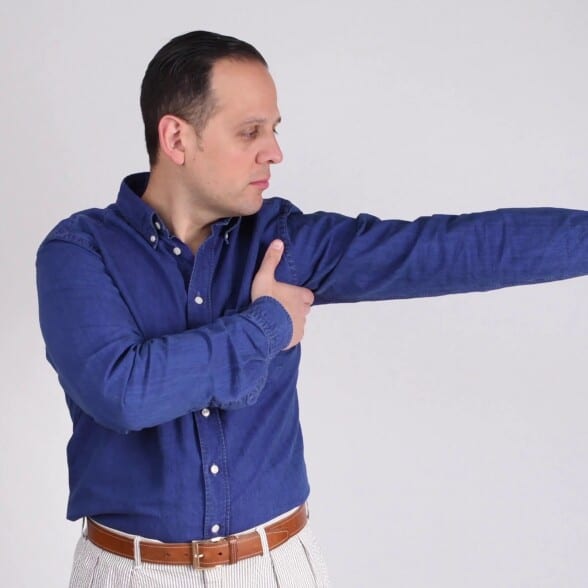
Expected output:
{"points": [[296, 300]]}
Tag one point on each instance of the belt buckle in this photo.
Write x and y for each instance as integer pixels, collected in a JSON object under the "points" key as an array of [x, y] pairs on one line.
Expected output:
{"points": [[197, 563], [196, 556]]}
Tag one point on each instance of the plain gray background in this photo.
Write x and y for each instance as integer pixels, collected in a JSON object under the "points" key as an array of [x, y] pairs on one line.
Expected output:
{"points": [[446, 438]]}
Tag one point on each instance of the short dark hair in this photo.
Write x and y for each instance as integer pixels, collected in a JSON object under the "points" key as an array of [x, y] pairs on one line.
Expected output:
{"points": [[177, 80]]}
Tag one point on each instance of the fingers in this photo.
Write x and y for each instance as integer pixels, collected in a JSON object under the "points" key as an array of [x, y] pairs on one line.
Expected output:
{"points": [[305, 300], [272, 258], [307, 297], [296, 300]]}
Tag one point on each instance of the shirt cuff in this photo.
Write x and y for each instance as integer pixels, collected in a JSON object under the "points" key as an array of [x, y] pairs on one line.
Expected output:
{"points": [[273, 319]]}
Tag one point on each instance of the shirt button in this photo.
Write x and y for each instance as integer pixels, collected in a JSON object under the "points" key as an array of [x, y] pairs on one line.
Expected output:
{"points": [[215, 528], [214, 469], [153, 238], [177, 251], [198, 300], [157, 226], [205, 413]]}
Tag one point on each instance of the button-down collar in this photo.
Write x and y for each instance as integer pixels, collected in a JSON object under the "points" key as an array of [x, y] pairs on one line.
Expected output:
{"points": [[144, 219]]}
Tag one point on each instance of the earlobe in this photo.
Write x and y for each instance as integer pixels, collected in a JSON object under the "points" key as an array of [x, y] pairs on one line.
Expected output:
{"points": [[170, 139]]}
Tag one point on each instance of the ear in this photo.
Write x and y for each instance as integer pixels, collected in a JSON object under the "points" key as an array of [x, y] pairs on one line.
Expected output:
{"points": [[172, 133]]}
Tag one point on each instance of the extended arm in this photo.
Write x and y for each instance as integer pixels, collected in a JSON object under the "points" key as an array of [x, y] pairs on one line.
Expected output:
{"points": [[346, 259]]}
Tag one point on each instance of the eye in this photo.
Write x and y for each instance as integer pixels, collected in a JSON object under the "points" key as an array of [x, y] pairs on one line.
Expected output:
{"points": [[250, 133]]}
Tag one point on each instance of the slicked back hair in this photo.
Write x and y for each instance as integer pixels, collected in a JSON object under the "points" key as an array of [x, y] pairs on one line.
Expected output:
{"points": [[177, 80]]}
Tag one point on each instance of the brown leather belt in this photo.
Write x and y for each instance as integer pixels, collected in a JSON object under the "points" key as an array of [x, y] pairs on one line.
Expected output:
{"points": [[201, 554]]}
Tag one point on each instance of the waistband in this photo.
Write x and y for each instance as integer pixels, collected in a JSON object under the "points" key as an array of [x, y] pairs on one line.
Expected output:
{"points": [[201, 554]]}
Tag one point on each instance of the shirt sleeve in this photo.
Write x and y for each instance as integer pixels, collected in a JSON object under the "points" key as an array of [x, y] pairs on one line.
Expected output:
{"points": [[125, 382], [345, 259]]}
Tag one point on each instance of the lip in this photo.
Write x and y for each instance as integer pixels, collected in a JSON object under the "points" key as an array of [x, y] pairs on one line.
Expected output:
{"points": [[261, 183]]}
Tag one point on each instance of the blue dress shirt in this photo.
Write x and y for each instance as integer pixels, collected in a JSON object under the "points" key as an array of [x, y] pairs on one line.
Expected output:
{"points": [[184, 407]]}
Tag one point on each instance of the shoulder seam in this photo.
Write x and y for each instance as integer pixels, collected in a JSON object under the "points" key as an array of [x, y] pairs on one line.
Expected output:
{"points": [[76, 239], [285, 209]]}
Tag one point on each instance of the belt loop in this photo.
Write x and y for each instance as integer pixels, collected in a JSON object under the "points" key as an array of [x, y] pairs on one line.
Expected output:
{"points": [[84, 527], [137, 551], [233, 550], [263, 537]]}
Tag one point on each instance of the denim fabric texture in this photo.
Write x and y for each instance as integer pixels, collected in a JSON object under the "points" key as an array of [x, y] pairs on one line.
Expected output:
{"points": [[184, 408]]}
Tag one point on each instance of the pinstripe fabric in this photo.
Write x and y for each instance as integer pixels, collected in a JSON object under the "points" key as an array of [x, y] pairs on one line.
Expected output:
{"points": [[298, 563]]}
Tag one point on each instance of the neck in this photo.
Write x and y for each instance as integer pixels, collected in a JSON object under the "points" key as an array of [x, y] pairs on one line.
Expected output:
{"points": [[178, 209]]}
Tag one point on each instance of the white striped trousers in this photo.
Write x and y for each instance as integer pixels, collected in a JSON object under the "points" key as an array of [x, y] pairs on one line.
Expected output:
{"points": [[298, 563]]}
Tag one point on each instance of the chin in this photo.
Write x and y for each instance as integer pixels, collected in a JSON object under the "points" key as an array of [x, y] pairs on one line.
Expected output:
{"points": [[251, 207]]}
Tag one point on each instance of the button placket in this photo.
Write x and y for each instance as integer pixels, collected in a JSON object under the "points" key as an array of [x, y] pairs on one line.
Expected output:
{"points": [[209, 425], [198, 312], [214, 464]]}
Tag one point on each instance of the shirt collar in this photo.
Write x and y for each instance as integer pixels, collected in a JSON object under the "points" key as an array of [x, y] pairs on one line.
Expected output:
{"points": [[145, 220]]}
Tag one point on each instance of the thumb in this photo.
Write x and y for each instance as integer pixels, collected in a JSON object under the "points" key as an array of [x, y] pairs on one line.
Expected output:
{"points": [[272, 258]]}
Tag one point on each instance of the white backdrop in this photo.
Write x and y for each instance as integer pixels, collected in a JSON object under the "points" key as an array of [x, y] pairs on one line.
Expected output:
{"points": [[446, 438]]}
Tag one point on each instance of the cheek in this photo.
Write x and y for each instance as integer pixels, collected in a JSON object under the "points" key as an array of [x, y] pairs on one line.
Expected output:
{"points": [[229, 163], [236, 165]]}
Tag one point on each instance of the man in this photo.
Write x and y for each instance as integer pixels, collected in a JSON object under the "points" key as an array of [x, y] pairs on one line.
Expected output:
{"points": [[174, 316]]}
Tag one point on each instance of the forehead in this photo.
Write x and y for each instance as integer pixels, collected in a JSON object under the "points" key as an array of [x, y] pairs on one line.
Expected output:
{"points": [[243, 89]]}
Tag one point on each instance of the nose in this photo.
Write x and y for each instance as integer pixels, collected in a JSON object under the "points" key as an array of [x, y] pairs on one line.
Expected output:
{"points": [[271, 153]]}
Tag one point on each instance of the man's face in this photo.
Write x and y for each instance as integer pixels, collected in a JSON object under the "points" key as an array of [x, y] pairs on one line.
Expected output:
{"points": [[228, 163]]}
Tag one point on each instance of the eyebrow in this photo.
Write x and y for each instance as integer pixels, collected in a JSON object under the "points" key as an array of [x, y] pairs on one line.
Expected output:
{"points": [[258, 121]]}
